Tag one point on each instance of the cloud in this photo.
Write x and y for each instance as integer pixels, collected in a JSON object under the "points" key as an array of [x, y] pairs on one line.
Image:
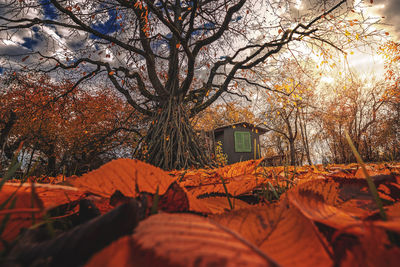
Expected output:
{"points": [[390, 10]]}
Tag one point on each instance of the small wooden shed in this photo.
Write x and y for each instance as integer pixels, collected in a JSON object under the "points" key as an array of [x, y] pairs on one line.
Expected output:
{"points": [[240, 141]]}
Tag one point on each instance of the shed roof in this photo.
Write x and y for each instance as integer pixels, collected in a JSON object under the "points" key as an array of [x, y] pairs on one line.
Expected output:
{"points": [[244, 124]]}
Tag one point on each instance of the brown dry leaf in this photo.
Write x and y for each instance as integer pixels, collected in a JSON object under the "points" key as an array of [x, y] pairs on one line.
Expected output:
{"points": [[239, 178], [214, 205], [75, 246], [175, 199], [281, 232], [393, 212], [18, 218], [46, 196], [316, 201], [393, 216], [125, 175], [372, 170], [370, 248], [306, 177], [349, 195], [254, 224], [54, 195], [180, 240], [239, 169], [343, 205]]}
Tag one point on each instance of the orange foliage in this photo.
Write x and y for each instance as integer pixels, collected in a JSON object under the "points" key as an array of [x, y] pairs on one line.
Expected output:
{"points": [[63, 122], [223, 114], [391, 53]]}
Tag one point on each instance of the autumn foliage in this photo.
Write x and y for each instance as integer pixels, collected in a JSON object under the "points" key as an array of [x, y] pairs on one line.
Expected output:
{"points": [[327, 217], [63, 128]]}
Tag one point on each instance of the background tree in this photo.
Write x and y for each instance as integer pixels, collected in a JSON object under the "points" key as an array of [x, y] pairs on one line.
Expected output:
{"points": [[391, 53], [223, 114], [286, 112], [170, 59], [71, 134], [356, 106]]}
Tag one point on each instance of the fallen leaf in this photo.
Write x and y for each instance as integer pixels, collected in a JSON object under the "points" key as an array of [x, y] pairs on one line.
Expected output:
{"points": [[181, 240], [73, 248], [129, 176], [316, 200], [370, 248], [282, 232], [239, 178], [19, 215], [214, 205]]}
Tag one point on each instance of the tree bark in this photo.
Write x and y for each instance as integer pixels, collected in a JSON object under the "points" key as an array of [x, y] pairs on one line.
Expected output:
{"points": [[51, 161], [304, 135], [292, 152], [7, 128]]}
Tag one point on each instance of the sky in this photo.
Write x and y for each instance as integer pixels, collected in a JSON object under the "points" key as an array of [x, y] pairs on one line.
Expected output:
{"points": [[389, 11], [385, 10], [365, 60]]}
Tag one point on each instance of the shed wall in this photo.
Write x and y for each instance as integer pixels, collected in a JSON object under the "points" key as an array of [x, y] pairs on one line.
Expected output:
{"points": [[229, 144]]}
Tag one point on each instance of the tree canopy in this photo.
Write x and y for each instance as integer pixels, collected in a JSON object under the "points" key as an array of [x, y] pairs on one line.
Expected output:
{"points": [[169, 59]]}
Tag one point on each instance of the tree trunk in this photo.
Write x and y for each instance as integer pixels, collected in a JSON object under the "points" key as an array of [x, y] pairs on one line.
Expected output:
{"points": [[51, 161], [304, 135], [7, 129], [171, 142], [292, 152]]}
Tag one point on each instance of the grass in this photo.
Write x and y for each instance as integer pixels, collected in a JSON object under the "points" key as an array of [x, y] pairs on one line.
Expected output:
{"points": [[227, 193], [7, 207], [11, 200], [272, 192], [371, 185], [154, 206], [392, 236]]}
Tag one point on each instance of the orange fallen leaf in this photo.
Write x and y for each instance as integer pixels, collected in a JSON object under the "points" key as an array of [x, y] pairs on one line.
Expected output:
{"points": [[18, 220], [281, 232], [239, 178], [129, 176], [25, 210], [316, 200], [181, 240], [370, 248], [214, 205]]}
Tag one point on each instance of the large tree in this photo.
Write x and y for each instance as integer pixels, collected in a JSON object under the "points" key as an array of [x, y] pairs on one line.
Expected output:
{"points": [[169, 59]]}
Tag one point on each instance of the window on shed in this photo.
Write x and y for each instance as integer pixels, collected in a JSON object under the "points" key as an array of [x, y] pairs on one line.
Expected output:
{"points": [[242, 141]]}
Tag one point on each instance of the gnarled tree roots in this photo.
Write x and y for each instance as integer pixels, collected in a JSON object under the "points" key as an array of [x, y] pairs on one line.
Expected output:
{"points": [[171, 142]]}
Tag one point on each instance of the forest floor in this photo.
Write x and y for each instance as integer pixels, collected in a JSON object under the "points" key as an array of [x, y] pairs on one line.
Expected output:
{"points": [[129, 213]]}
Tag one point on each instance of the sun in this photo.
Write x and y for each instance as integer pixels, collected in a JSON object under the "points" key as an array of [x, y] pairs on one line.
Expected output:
{"points": [[327, 79]]}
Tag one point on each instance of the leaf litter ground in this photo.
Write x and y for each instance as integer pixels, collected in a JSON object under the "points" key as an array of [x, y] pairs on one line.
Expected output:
{"points": [[325, 216]]}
